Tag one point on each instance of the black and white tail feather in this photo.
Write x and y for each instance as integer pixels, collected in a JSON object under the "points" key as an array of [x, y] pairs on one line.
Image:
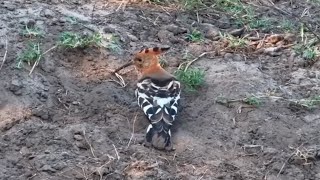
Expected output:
{"points": [[159, 99]]}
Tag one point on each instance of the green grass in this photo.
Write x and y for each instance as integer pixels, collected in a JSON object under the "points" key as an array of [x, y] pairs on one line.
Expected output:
{"points": [[234, 42], [244, 14], [195, 36], [192, 4], [74, 40], [30, 55], [260, 23], [307, 52], [311, 103], [32, 32], [192, 78], [286, 25], [114, 44], [253, 100]]}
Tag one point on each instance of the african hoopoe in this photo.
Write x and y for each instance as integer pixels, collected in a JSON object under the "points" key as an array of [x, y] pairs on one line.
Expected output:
{"points": [[158, 95]]}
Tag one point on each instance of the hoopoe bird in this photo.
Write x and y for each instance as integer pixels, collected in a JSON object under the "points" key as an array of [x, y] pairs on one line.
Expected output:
{"points": [[158, 95]]}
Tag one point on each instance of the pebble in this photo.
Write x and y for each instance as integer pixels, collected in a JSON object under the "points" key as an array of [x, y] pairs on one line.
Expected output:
{"points": [[228, 56], [48, 13], [16, 87], [47, 168], [210, 31], [78, 137], [175, 29], [164, 36]]}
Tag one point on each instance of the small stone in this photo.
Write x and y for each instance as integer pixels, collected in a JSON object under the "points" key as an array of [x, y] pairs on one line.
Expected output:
{"points": [[210, 31], [10, 7], [48, 13], [132, 37], [176, 29], [237, 32], [47, 168], [24, 151], [224, 22], [109, 29], [65, 154], [228, 56], [43, 114], [270, 151], [16, 86], [78, 137], [60, 166], [31, 23], [312, 75], [311, 118], [81, 145], [237, 57], [62, 20], [164, 36]]}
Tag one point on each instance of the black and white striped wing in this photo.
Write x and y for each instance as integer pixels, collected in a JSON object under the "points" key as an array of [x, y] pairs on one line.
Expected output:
{"points": [[159, 100]]}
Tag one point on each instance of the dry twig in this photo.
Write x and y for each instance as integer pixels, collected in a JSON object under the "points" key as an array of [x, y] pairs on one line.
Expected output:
{"points": [[5, 54], [192, 61], [132, 134], [37, 61], [118, 157], [91, 148], [120, 80]]}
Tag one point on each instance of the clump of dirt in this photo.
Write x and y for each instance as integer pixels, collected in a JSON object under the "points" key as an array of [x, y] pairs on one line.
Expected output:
{"points": [[70, 120]]}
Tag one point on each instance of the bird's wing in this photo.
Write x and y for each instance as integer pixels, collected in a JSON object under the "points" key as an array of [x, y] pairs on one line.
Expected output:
{"points": [[159, 100]]}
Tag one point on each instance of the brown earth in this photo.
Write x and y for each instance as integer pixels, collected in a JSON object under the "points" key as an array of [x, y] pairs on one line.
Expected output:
{"points": [[69, 121]]}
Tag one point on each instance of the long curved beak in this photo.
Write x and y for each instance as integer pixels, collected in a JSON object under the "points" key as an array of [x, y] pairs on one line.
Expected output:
{"points": [[123, 66]]}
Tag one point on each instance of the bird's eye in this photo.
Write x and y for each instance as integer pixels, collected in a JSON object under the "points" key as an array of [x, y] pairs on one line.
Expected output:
{"points": [[138, 59]]}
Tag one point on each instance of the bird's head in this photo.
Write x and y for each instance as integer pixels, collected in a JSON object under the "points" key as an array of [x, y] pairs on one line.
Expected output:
{"points": [[148, 58]]}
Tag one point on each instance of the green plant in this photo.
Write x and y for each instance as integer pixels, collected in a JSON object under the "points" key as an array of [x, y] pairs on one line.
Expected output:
{"points": [[192, 78], [74, 40], [286, 25], [253, 100], [310, 103], [234, 42], [195, 36], [30, 55], [114, 44], [32, 32], [192, 4], [262, 23], [308, 52]]}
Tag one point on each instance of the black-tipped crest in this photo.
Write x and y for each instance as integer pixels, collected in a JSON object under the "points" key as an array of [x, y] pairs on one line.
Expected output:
{"points": [[155, 50], [165, 49]]}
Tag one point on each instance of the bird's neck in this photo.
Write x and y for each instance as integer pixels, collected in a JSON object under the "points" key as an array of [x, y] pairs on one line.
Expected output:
{"points": [[155, 72]]}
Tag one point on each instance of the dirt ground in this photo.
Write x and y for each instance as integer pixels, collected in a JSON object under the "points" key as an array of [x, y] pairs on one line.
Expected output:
{"points": [[67, 120]]}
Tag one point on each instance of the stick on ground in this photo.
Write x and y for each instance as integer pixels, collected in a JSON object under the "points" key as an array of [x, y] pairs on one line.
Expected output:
{"points": [[5, 54], [132, 134]]}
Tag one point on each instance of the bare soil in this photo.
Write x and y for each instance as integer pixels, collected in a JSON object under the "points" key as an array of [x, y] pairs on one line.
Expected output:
{"points": [[67, 120]]}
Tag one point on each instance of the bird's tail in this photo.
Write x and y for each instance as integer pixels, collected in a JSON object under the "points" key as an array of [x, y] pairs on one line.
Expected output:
{"points": [[159, 137]]}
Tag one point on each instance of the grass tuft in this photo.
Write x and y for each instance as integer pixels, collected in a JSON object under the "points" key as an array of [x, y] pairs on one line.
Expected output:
{"points": [[307, 52], [192, 78], [311, 103], [195, 36], [253, 100], [114, 44], [73, 40], [234, 42], [30, 55], [32, 32]]}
